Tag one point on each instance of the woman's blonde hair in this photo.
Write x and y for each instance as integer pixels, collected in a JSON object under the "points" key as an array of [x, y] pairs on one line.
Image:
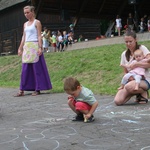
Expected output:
{"points": [[31, 8]]}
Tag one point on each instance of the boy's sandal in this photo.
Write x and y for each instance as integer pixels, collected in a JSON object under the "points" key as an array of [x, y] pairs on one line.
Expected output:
{"points": [[78, 117], [36, 93], [141, 100], [20, 93]]}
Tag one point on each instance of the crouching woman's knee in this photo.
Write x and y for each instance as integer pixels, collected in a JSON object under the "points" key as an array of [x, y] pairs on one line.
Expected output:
{"points": [[118, 101], [121, 97]]}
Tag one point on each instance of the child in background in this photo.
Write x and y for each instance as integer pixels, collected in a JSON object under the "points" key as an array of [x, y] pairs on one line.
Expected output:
{"points": [[70, 38], [137, 73], [71, 26], [81, 100], [80, 38], [53, 41], [60, 44], [65, 41], [142, 25], [45, 38]]}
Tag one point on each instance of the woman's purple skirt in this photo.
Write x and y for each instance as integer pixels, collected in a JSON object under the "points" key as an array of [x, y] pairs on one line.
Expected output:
{"points": [[35, 77]]}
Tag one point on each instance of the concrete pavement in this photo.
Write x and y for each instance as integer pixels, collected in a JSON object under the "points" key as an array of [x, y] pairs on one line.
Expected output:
{"points": [[44, 123], [107, 41]]}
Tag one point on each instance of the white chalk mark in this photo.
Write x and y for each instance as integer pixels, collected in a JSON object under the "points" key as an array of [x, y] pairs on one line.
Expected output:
{"points": [[4, 130], [112, 113], [34, 138], [25, 147], [130, 121], [24, 130], [44, 121], [94, 145], [17, 136], [57, 145], [60, 119], [129, 130], [60, 137], [146, 148], [51, 104], [105, 106]]}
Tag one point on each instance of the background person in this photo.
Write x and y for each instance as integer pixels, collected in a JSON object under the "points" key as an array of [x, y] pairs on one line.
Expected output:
{"points": [[130, 22], [118, 24], [60, 44], [145, 19], [65, 40], [148, 23], [34, 76], [142, 25], [80, 38], [124, 95], [45, 38], [53, 41]]}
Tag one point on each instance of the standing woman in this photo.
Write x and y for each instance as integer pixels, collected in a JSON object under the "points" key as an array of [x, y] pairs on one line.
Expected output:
{"points": [[34, 75], [124, 95], [118, 25]]}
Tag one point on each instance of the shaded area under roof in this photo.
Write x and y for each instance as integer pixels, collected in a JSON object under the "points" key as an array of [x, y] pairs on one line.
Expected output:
{"points": [[106, 9], [98, 9], [9, 3]]}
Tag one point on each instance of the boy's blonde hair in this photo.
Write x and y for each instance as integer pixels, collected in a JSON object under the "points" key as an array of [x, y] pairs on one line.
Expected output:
{"points": [[71, 84]]}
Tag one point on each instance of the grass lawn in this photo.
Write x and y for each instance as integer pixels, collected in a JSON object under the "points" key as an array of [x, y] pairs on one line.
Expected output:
{"points": [[96, 68]]}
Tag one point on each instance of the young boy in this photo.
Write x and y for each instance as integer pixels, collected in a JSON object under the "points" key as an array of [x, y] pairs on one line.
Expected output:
{"points": [[81, 100]]}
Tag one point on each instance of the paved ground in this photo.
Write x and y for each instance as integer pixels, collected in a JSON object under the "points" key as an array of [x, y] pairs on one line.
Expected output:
{"points": [[44, 123], [107, 41]]}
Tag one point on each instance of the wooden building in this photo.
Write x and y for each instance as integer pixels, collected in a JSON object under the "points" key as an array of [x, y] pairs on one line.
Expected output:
{"points": [[91, 17]]}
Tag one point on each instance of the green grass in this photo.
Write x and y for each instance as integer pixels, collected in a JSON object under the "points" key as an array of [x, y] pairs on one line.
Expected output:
{"points": [[96, 68]]}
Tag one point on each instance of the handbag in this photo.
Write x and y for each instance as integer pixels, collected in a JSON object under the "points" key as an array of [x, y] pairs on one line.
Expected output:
{"points": [[30, 52]]}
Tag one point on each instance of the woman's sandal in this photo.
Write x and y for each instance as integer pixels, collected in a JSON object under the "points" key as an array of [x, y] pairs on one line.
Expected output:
{"points": [[35, 93], [20, 93], [141, 100]]}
